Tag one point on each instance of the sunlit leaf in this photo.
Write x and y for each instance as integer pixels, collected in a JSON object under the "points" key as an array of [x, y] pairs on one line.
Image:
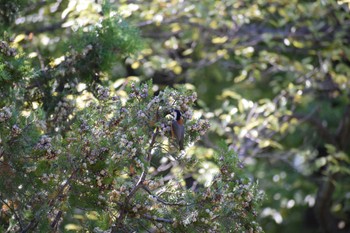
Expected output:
{"points": [[330, 149], [231, 94], [298, 44], [19, 38], [92, 215], [72, 227], [321, 162], [219, 40]]}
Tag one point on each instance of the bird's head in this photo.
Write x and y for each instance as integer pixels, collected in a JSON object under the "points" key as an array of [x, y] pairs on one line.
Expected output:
{"points": [[177, 114]]}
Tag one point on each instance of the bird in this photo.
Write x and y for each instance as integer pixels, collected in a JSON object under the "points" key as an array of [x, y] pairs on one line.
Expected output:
{"points": [[178, 129]]}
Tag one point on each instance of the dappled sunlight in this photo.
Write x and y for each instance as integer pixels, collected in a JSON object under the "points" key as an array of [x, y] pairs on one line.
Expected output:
{"points": [[88, 92]]}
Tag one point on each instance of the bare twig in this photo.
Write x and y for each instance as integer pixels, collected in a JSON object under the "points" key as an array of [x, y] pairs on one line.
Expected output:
{"points": [[54, 224], [14, 212], [31, 226], [138, 185], [161, 200], [146, 216], [317, 124]]}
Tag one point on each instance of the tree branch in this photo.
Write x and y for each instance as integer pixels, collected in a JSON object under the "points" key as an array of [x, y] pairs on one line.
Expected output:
{"points": [[146, 216], [14, 212], [138, 185], [317, 124], [161, 200]]}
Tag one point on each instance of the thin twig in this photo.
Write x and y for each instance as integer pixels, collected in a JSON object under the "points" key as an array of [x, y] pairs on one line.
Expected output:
{"points": [[138, 184], [161, 200], [14, 212], [146, 216]]}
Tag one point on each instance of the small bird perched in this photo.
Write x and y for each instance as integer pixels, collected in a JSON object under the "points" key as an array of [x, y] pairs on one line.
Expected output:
{"points": [[178, 129]]}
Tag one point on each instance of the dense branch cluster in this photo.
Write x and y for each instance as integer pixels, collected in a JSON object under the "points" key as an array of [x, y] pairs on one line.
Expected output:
{"points": [[96, 148], [109, 164]]}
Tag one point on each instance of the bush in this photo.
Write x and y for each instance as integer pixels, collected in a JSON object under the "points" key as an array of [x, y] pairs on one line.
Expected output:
{"points": [[101, 160], [106, 172]]}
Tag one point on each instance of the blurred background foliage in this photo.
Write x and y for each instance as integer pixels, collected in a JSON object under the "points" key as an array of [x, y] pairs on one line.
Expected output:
{"points": [[272, 76]]}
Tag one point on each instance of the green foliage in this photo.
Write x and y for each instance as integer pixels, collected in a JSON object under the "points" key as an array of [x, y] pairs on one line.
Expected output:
{"points": [[104, 44], [9, 10], [271, 78], [105, 168], [13, 69], [77, 155]]}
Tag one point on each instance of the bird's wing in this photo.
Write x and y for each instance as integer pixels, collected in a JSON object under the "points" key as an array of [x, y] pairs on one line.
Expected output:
{"points": [[178, 132], [181, 141], [175, 129]]}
